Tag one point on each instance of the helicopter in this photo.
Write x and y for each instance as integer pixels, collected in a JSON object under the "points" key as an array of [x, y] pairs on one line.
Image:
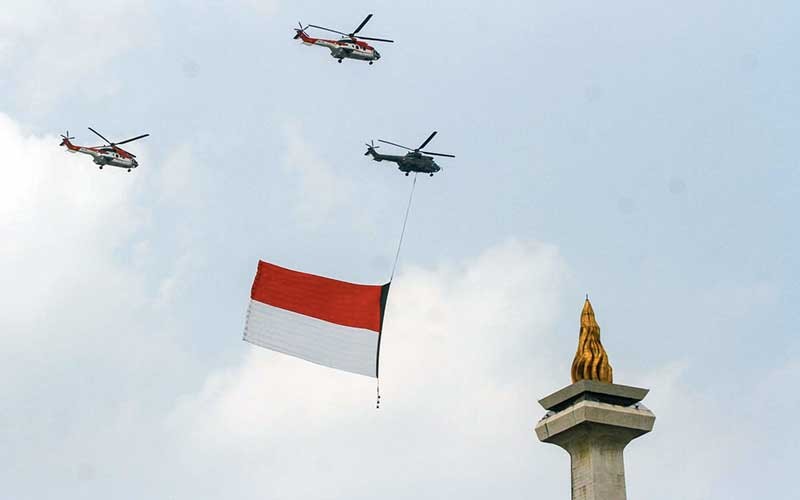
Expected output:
{"points": [[413, 161], [348, 47], [111, 154]]}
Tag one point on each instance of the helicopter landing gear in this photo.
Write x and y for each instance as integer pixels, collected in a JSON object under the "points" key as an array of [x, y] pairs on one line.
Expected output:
{"points": [[431, 175], [130, 170], [101, 167], [340, 61], [370, 63], [406, 174]]}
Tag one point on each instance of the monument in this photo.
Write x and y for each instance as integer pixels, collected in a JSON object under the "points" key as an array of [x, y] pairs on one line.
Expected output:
{"points": [[593, 419]]}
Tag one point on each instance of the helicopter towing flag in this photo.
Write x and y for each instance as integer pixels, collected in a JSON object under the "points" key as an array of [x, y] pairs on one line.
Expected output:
{"points": [[326, 321]]}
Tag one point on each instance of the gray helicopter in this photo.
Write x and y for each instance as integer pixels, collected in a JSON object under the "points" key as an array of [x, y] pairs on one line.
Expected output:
{"points": [[413, 161]]}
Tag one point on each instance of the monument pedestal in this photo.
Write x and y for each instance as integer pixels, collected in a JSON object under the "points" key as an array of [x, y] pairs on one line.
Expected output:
{"points": [[594, 421]]}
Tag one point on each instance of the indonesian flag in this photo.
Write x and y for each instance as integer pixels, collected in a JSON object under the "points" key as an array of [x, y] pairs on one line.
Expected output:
{"points": [[329, 322]]}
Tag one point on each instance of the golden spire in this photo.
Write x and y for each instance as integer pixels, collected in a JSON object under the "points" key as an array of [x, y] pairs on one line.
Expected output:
{"points": [[591, 360]]}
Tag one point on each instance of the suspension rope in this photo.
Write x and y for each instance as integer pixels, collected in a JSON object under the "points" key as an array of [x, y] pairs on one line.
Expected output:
{"points": [[403, 232], [394, 268]]}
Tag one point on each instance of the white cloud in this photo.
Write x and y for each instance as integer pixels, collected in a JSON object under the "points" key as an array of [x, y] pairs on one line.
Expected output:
{"points": [[184, 180], [176, 173], [79, 339], [679, 443], [48, 48], [321, 190], [58, 212]]}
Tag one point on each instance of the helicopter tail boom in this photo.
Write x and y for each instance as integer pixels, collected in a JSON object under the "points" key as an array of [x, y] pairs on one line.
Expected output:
{"points": [[375, 155], [302, 35]]}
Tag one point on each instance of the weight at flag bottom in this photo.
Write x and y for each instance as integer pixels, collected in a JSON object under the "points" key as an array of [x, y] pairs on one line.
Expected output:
{"points": [[326, 321]]}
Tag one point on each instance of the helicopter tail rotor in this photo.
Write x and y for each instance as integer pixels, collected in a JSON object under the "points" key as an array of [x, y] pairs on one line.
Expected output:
{"points": [[371, 147], [299, 32], [65, 139]]}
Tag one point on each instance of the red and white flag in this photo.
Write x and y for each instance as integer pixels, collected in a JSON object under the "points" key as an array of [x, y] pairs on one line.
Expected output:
{"points": [[322, 320]]}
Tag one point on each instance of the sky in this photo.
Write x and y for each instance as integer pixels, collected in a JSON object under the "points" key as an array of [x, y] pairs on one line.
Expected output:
{"points": [[642, 152]]}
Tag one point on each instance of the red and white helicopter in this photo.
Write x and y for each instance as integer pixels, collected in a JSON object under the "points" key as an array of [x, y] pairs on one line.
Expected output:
{"points": [[111, 154], [348, 47]]}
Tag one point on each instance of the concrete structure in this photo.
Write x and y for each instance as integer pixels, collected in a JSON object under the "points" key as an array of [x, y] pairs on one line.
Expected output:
{"points": [[594, 421]]}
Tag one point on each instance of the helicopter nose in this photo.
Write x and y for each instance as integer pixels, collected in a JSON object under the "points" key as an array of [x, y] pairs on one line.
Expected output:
{"points": [[377, 55]]}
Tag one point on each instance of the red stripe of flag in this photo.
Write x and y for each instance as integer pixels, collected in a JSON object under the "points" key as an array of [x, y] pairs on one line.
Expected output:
{"points": [[339, 302]]}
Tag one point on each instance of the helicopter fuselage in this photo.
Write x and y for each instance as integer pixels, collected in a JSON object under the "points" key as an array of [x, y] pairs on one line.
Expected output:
{"points": [[343, 49], [410, 162], [103, 155]]}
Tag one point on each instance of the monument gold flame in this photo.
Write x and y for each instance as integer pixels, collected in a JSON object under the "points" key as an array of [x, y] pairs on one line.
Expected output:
{"points": [[591, 360]]}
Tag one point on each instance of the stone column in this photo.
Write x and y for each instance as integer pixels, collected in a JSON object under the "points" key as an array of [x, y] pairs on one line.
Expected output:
{"points": [[594, 421]]}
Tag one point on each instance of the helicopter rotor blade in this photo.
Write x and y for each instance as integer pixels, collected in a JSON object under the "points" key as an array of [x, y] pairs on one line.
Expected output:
{"points": [[427, 141], [99, 135], [365, 21], [438, 154], [132, 139], [393, 144], [375, 39], [327, 29]]}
